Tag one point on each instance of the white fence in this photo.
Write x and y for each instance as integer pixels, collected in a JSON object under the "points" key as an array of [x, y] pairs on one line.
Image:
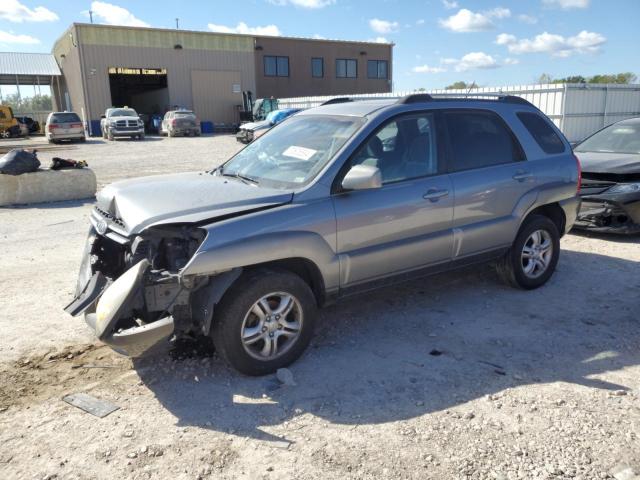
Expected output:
{"points": [[578, 109]]}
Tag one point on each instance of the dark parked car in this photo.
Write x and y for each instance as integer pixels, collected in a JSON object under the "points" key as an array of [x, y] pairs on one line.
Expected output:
{"points": [[32, 125], [610, 190]]}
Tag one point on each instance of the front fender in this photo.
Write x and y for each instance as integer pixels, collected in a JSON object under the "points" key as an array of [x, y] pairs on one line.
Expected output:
{"points": [[267, 248]]}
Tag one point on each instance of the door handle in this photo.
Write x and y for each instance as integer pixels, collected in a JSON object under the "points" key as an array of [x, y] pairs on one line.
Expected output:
{"points": [[435, 194], [521, 176]]}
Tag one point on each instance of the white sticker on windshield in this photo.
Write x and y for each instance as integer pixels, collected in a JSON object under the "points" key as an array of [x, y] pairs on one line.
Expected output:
{"points": [[300, 153]]}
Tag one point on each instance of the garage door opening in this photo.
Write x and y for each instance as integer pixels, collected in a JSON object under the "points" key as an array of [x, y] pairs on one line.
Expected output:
{"points": [[144, 89]]}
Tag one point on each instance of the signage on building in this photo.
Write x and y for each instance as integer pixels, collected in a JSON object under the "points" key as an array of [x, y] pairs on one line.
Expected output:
{"points": [[137, 71]]}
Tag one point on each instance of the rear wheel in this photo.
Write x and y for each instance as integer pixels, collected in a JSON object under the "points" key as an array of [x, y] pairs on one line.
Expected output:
{"points": [[265, 321], [172, 133], [533, 257]]}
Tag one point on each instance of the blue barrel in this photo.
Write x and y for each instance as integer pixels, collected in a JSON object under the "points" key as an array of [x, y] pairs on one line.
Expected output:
{"points": [[95, 128], [206, 127]]}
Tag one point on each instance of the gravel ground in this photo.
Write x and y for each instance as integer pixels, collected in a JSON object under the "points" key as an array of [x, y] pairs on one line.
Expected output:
{"points": [[451, 377]]}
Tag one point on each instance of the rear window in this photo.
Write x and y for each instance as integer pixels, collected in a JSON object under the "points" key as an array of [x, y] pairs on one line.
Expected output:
{"points": [[541, 131], [64, 118], [184, 114]]}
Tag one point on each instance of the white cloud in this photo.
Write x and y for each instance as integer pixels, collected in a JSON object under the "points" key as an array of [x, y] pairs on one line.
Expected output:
{"points": [[420, 21], [468, 21], [383, 26], [553, 44], [511, 61], [379, 40], [450, 5], [530, 19], [499, 12], [8, 37], [14, 11], [312, 4], [567, 4], [268, 30], [428, 69], [472, 61], [115, 15]]}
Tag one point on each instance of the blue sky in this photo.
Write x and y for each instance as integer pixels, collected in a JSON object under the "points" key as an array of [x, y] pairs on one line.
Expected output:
{"points": [[491, 42]]}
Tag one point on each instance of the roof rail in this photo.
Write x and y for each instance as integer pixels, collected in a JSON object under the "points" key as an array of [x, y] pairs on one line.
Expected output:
{"points": [[337, 100], [426, 97]]}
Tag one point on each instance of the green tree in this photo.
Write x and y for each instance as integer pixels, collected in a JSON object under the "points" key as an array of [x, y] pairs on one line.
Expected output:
{"points": [[545, 78], [460, 85], [37, 103]]}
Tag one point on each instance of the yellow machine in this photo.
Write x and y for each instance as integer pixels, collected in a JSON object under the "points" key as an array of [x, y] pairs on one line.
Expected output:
{"points": [[9, 126]]}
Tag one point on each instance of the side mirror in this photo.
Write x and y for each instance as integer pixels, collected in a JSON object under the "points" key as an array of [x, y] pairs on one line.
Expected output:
{"points": [[362, 177], [103, 116]]}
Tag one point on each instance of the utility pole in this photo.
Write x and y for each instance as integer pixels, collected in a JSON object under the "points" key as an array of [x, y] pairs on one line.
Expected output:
{"points": [[91, 16], [177, 24]]}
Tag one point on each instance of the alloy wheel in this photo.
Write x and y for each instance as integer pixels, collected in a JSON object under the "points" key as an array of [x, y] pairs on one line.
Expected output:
{"points": [[272, 326], [537, 253]]}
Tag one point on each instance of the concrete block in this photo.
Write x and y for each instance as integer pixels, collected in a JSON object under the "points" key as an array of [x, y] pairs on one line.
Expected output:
{"points": [[47, 186]]}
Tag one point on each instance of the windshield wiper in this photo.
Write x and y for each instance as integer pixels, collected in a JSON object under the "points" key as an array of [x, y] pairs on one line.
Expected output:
{"points": [[239, 176]]}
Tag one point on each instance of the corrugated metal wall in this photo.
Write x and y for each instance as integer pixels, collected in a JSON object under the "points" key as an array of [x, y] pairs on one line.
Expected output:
{"points": [[214, 95], [577, 109]]}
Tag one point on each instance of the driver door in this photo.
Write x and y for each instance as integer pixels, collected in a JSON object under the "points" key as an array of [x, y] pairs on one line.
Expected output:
{"points": [[407, 223]]}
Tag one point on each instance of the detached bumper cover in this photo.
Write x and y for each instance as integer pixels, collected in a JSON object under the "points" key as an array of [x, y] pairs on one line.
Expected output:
{"points": [[113, 304]]}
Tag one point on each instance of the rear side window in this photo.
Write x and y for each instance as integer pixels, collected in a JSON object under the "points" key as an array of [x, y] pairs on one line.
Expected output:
{"points": [[64, 118], [541, 131], [480, 139]]}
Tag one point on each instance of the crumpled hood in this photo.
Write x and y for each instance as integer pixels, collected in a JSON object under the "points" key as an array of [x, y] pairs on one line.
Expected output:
{"points": [[605, 162], [183, 198], [253, 126]]}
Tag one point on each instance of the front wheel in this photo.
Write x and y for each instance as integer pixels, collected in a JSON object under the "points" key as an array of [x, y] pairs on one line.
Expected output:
{"points": [[533, 257], [265, 321]]}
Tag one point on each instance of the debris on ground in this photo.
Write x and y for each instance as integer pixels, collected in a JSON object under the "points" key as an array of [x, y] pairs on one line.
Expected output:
{"points": [[90, 404], [285, 377]]}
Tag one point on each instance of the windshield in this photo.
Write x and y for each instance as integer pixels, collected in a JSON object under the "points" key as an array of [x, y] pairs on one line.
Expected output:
{"points": [[121, 112], [617, 138], [291, 154]]}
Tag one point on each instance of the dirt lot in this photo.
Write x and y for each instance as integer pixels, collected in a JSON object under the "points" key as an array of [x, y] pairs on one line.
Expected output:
{"points": [[454, 376]]}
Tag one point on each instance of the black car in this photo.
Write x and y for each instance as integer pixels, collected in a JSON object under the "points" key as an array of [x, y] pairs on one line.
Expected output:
{"points": [[610, 187], [32, 125]]}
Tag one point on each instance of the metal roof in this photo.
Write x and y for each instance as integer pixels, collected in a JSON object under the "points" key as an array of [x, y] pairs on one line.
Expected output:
{"points": [[14, 63]]}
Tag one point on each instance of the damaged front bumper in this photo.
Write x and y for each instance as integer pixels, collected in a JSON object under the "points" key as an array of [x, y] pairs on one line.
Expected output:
{"points": [[609, 214], [104, 304]]}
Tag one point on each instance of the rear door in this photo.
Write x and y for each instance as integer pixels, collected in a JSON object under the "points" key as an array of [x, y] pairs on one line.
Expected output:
{"points": [[491, 180], [405, 224]]}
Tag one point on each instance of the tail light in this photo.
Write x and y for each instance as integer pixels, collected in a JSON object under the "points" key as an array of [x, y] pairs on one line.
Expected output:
{"points": [[53, 126], [76, 125], [579, 173], [174, 122]]}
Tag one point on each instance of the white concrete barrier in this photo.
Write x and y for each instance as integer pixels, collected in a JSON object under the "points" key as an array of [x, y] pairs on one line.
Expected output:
{"points": [[47, 186]]}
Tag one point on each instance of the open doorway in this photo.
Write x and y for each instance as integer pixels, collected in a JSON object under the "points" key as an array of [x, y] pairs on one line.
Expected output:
{"points": [[144, 89]]}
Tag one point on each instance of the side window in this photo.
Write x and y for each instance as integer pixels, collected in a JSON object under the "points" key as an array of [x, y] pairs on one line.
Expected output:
{"points": [[480, 139], [402, 148], [541, 131], [317, 67]]}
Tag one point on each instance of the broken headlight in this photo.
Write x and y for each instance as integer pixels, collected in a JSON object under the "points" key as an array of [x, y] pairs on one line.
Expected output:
{"points": [[625, 188]]}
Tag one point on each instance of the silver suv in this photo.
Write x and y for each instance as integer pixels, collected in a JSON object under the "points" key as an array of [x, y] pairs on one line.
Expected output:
{"points": [[339, 199]]}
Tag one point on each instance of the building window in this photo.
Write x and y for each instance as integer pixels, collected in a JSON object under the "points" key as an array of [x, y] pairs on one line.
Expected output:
{"points": [[317, 67], [378, 69], [276, 66], [346, 68]]}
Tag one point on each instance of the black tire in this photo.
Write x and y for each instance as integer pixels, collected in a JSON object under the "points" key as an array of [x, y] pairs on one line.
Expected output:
{"points": [[510, 267], [230, 313]]}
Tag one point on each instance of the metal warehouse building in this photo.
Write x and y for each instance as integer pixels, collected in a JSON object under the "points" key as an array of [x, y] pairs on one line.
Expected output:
{"points": [[154, 69]]}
